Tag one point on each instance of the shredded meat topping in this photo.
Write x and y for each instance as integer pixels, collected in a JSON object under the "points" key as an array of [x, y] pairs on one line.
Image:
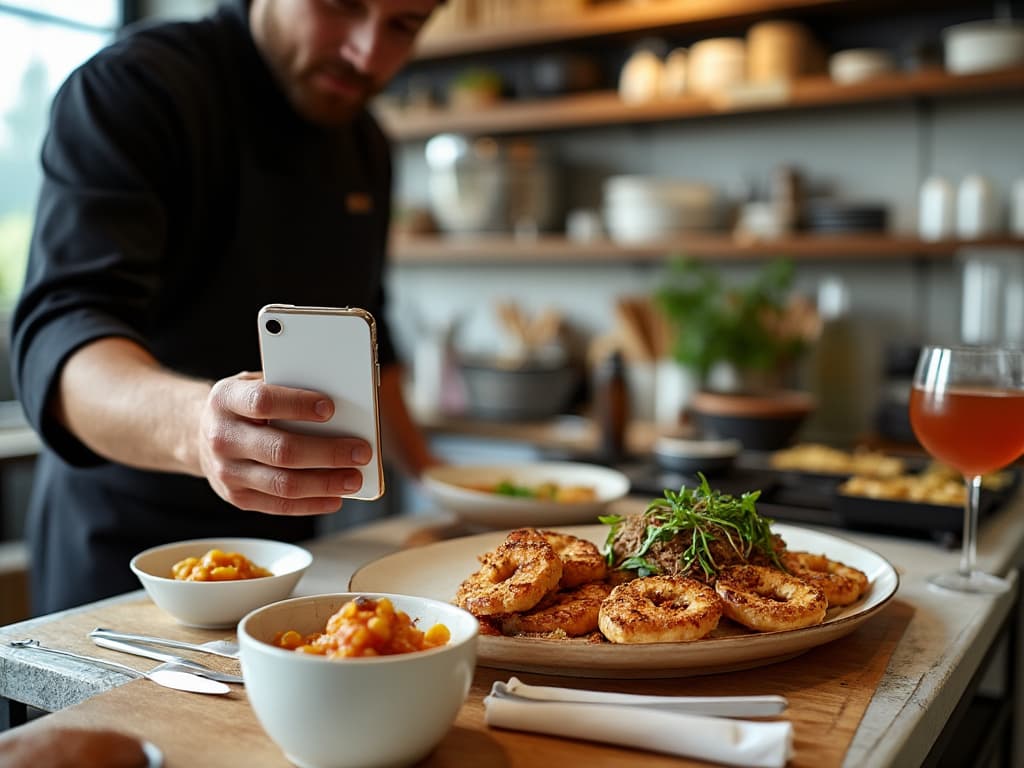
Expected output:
{"points": [[667, 556]]}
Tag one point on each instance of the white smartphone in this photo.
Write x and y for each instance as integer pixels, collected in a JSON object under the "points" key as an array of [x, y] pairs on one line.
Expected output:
{"points": [[333, 351]]}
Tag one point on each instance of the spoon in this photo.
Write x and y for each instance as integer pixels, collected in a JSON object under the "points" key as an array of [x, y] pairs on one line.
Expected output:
{"points": [[169, 678]]}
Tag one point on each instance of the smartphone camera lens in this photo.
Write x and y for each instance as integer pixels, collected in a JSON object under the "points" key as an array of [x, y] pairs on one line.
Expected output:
{"points": [[273, 327]]}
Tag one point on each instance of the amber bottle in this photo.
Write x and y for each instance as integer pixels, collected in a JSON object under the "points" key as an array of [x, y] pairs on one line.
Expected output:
{"points": [[612, 409]]}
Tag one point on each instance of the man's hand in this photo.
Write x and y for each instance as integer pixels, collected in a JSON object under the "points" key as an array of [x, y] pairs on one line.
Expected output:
{"points": [[259, 467], [45, 747]]}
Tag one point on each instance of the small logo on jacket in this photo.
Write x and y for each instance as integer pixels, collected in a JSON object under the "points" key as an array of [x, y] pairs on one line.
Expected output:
{"points": [[358, 202]]}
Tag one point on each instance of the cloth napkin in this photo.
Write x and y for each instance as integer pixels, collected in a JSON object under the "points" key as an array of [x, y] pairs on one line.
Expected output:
{"points": [[518, 707]]}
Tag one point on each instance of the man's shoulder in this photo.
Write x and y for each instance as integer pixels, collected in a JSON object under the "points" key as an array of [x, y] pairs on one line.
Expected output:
{"points": [[171, 57]]}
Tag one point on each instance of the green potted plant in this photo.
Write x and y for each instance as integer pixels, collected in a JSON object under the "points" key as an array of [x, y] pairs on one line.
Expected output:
{"points": [[474, 87], [743, 343]]}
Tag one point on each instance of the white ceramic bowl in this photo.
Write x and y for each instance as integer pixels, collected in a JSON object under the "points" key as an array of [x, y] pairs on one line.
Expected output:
{"points": [[855, 65], [213, 604], [639, 190], [342, 713], [982, 46], [717, 64], [447, 486]]}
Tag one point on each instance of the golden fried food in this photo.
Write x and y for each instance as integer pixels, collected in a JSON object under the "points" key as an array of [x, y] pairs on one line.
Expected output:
{"points": [[937, 484], [814, 457], [365, 627], [216, 565], [659, 609], [582, 561], [841, 583], [928, 489], [572, 613], [489, 625], [514, 577], [768, 600]]}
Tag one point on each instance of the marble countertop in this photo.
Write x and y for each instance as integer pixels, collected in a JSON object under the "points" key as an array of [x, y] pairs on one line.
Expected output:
{"points": [[932, 666]]}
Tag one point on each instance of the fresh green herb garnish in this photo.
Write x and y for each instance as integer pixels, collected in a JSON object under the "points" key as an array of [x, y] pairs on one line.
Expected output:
{"points": [[709, 516], [507, 488]]}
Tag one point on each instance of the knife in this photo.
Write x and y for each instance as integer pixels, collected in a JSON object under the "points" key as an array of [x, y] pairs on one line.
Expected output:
{"points": [[177, 661], [225, 648], [168, 678]]}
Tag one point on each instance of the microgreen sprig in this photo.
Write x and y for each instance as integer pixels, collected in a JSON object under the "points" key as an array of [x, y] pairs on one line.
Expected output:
{"points": [[710, 516]]}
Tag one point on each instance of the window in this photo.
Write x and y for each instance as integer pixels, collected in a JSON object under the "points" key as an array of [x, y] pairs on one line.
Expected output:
{"points": [[41, 42]]}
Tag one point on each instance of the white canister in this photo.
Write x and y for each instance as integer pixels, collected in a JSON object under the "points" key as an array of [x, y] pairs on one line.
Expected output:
{"points": [[977, 209], [717, 64], [936, 214], [673, 81], [1017, 209], [640, 79]]}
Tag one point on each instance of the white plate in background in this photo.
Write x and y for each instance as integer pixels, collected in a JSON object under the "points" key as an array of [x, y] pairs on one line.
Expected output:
{"points": [[447, 487]]}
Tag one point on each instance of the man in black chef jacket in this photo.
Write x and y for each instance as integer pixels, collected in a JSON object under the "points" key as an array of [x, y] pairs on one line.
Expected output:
{"points": [[193, 173]]}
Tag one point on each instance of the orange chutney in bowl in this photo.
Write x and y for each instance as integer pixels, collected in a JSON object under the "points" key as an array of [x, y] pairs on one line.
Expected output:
{"points": [[216, 565], [365, 627]]}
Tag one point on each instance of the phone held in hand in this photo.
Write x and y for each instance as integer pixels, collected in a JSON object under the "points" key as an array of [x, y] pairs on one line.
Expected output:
{"points": [[332, 351]]}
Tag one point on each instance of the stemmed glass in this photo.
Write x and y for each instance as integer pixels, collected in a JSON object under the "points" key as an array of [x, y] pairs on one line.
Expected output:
{"points": [[967, 410]]}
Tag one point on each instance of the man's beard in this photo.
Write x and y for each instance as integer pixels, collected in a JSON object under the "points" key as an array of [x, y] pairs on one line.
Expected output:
{"points": [[325, 92]]}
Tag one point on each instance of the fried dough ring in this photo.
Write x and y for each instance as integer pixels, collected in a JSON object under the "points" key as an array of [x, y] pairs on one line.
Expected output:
{"points": [[769, 600], [573, 613], [842, 584], [582, 561], [659, 609], [514, 577]]}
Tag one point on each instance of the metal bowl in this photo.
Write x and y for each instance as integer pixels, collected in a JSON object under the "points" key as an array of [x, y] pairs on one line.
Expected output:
{"points": [[530, 392], [689, 456]]}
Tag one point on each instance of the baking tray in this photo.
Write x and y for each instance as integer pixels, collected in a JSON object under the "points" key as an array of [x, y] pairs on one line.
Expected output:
{"points": [[943, 522]]}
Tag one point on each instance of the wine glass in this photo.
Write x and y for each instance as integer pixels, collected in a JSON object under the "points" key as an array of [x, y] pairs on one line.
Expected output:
{"points": [[967, 410]]}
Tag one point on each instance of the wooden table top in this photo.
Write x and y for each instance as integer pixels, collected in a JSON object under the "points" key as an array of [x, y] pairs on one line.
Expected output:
{"points": [[888, 706], [828, 690]]}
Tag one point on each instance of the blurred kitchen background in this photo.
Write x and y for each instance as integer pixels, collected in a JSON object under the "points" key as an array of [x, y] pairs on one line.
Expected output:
{"points": [[556, 158]]}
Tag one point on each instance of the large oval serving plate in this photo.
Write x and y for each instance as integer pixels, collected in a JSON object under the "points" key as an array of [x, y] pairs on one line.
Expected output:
{"points": [[436, 570]]}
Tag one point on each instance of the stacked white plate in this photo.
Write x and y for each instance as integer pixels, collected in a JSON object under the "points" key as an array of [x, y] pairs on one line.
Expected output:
{"points": [[644, 208]]}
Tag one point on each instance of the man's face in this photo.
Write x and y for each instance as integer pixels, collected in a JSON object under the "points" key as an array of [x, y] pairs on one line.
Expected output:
{"points": [[331, 56]]}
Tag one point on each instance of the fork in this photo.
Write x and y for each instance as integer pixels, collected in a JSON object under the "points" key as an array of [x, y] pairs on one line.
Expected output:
{"points": [[224, 648], [178, 661]]}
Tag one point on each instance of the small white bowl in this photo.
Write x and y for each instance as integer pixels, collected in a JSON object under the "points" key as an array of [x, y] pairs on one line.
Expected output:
{"points": [[343, 713], [855, 65], [216, 604], [983, 46], [447, 486]]}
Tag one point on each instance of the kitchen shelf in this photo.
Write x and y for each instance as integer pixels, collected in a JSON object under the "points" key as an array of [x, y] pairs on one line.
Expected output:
{"points": [[499, 249], [619, 18], [606, 108]]}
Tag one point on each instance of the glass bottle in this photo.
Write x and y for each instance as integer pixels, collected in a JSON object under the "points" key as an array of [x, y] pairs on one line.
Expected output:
{"points": [[612, 403]]}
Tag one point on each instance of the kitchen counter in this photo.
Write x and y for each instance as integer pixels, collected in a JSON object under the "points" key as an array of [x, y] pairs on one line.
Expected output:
{"points": [[569, 434], [933, 666]]}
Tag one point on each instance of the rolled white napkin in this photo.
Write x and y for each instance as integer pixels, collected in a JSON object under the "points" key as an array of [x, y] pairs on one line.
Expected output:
{"points": [[721, 740], [718, 706]]}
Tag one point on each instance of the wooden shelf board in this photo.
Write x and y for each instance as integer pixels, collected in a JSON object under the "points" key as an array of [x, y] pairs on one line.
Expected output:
{"points": [[606, 108], [485, 249], [604, 20]]}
